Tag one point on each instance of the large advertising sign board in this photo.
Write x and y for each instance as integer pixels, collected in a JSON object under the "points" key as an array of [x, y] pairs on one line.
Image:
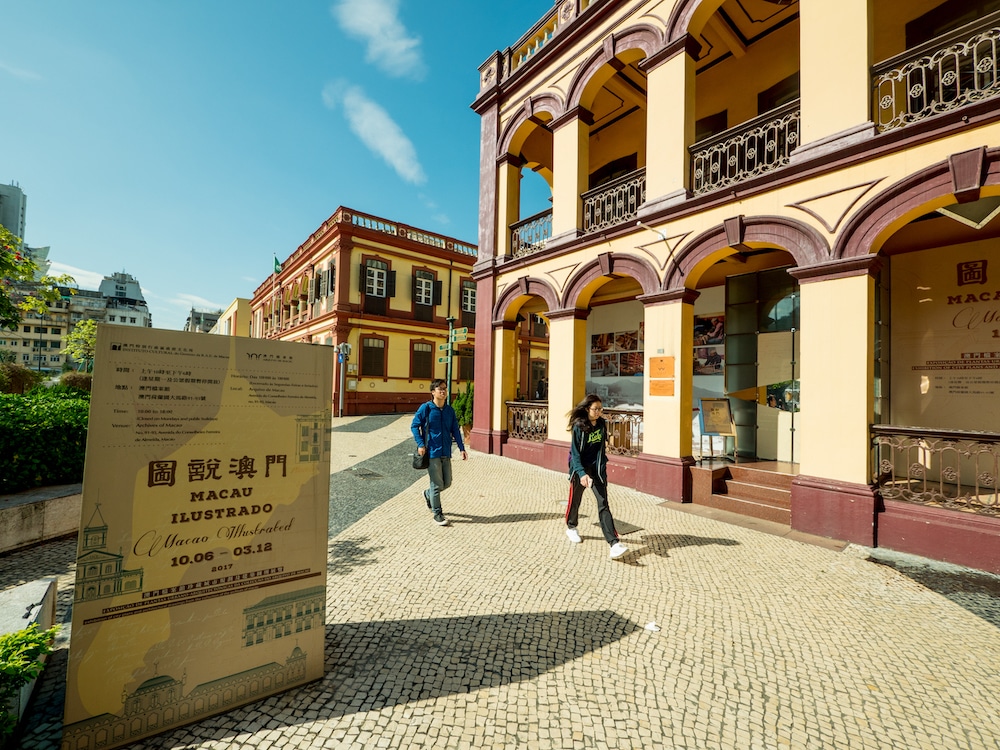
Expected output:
{"points": [[201, 565], [946, 338]]}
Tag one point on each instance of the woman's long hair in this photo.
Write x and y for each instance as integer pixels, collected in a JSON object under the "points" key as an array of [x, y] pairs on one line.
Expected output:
{"points": [[580, 415]]}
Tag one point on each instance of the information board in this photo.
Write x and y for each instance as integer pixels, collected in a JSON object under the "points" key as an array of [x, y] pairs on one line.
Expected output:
{"points": [[201, 562], [716, 417]]}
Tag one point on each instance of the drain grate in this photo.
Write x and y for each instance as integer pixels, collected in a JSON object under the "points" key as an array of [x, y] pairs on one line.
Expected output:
{"points": [[364, 473]]}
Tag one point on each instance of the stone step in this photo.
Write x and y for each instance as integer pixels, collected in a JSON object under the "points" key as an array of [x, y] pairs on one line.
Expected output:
{"points": [[775, 496], [759, 476], [747, 507]]}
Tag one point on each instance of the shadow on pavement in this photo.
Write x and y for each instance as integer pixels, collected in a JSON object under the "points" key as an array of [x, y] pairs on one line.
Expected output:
{"points": [[375, 665], [973, 590], [368, 424], [661, 544], [504, 517], [344, 555]]}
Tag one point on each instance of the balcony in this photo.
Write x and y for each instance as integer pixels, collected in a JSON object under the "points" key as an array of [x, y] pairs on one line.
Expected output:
{"points": [[946, 73], [614, 203], [748, 150], [530, 235]]}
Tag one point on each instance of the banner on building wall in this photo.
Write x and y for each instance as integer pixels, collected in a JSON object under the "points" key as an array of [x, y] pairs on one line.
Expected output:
{"points": [[617, 366], [945, 333], [201, 562]]}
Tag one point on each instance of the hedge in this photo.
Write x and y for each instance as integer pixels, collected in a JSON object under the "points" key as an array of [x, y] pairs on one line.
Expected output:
{"points": [[43, 439]]}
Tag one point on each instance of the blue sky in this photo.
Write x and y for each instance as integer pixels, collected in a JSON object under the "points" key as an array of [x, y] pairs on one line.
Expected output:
{"points": [[187, 142]]}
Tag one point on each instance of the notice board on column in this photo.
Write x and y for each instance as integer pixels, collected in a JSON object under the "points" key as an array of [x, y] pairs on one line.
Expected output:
{"points": [[202, 554]]}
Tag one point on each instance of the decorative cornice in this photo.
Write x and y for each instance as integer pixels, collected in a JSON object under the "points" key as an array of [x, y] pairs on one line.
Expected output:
{"points": [[865, 265]]}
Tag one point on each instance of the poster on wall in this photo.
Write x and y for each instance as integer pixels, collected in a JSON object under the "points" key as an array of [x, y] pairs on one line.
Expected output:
{"points": [[709, 344], [617, 366], [945, 334], [201, 560]]}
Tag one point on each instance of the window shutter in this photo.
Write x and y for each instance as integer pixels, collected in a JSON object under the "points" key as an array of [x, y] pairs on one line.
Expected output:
{"points": [[333, 279], [321, 281], [364, 277], [312, 288], [390, 284], [413, 287], [438, 286]]}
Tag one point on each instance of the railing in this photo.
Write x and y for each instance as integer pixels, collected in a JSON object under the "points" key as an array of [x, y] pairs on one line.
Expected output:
{"points": [[943, 74], [530, 235], [753, 148], [615, 202], [402, 230], [944, 468], [624, 432], [528, 420]]}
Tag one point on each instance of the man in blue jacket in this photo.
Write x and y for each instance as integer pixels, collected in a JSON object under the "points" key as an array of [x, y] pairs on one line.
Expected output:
{"points": [[433, 426]]}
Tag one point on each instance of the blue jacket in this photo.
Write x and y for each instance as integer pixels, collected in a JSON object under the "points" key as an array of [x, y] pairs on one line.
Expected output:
{"points": [[433, 428]]}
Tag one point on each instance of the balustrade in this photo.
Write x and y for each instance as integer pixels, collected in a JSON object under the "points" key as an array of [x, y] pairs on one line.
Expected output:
{"points": [[528, 420], [624, 432], [615, 202], [753, 148], [530, 235], [944, 468], [943, 74]]}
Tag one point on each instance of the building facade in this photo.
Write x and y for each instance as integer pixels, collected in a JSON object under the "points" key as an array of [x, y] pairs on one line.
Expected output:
{"points": [[124, 301], [235, 320], [771, 227], [389, 292], [13, 209]]}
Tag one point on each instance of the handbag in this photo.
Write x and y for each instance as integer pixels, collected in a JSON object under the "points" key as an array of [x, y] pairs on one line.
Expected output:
{"points": [[421, 462]]}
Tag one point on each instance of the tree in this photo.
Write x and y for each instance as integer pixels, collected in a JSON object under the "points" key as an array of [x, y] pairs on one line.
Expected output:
{"points": [[20, 291], [82, 342]]}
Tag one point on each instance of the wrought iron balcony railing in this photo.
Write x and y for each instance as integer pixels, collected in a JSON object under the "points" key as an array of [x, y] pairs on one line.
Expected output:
{"points": [[528, 420], [946, 73], [530, 235], [614, 202], [624, 432], [753, 148], [944, 468]]}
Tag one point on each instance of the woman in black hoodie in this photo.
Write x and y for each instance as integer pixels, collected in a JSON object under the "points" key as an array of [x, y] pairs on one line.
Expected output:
{"points": [[588, 467]]}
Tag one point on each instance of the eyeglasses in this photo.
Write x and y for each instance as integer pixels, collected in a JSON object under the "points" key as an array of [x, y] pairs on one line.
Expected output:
{"points": [[596, 408]]}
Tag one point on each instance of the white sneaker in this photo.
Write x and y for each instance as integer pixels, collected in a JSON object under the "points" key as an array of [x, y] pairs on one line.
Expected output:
{"points": [[574, 535], [617, 550]]}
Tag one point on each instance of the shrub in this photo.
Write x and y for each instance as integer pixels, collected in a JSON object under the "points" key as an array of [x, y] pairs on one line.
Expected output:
{"points": [[43, 439], [79, 380], [20, 662], [17, 378], [463, 406]]}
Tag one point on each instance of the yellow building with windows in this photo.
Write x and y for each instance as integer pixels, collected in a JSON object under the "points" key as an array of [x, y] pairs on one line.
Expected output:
{"points": [[770, 248], [389, 296]]}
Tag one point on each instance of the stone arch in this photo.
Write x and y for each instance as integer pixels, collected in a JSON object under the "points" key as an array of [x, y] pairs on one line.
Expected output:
{"points": [[689, 17], [548, 103], [607, 264], [806, 245], [524, 287], [962, 176], [643, 37]]}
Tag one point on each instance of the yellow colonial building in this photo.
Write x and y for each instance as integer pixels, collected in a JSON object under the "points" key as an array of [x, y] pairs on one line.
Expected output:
{"points": [[770, 248], [389, 296]]}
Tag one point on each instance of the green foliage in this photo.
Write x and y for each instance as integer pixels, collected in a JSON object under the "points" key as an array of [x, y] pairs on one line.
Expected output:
{"points": [[463, 405], [43, 438], [82, 342], [20, 663], [17, 272], [16, 378], [79, 381]]}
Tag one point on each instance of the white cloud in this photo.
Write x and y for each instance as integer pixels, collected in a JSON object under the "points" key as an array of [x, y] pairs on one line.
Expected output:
{"points": [[390, 46], [26, 75], [377, 130], [90, 280], [198, 303]]}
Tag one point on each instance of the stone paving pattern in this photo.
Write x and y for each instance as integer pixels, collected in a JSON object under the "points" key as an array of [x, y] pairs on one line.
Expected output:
{"points": [[496, 632]]}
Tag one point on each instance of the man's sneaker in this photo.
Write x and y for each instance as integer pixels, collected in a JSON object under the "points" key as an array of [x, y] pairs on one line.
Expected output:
{"points": [[440, 520], [617, 550], [427, 499], [574, 535]]}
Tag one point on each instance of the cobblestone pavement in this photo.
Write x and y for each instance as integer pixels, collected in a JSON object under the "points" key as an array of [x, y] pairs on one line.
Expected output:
{"points": [[497, 632]]}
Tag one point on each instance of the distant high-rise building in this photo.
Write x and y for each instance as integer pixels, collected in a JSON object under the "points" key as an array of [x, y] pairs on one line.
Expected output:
{"points": [[202, 321], [124, 301], [13, 206]]}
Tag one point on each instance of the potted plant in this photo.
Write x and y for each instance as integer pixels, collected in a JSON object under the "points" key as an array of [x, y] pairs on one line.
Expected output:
{"points": [[463, 409]]}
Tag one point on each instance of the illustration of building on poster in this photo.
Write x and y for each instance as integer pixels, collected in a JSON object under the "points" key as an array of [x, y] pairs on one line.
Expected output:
{"points": [[201, 565]]}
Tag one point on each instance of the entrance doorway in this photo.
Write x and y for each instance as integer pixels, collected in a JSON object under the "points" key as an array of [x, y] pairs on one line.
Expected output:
{"points": [[761, 376]]}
